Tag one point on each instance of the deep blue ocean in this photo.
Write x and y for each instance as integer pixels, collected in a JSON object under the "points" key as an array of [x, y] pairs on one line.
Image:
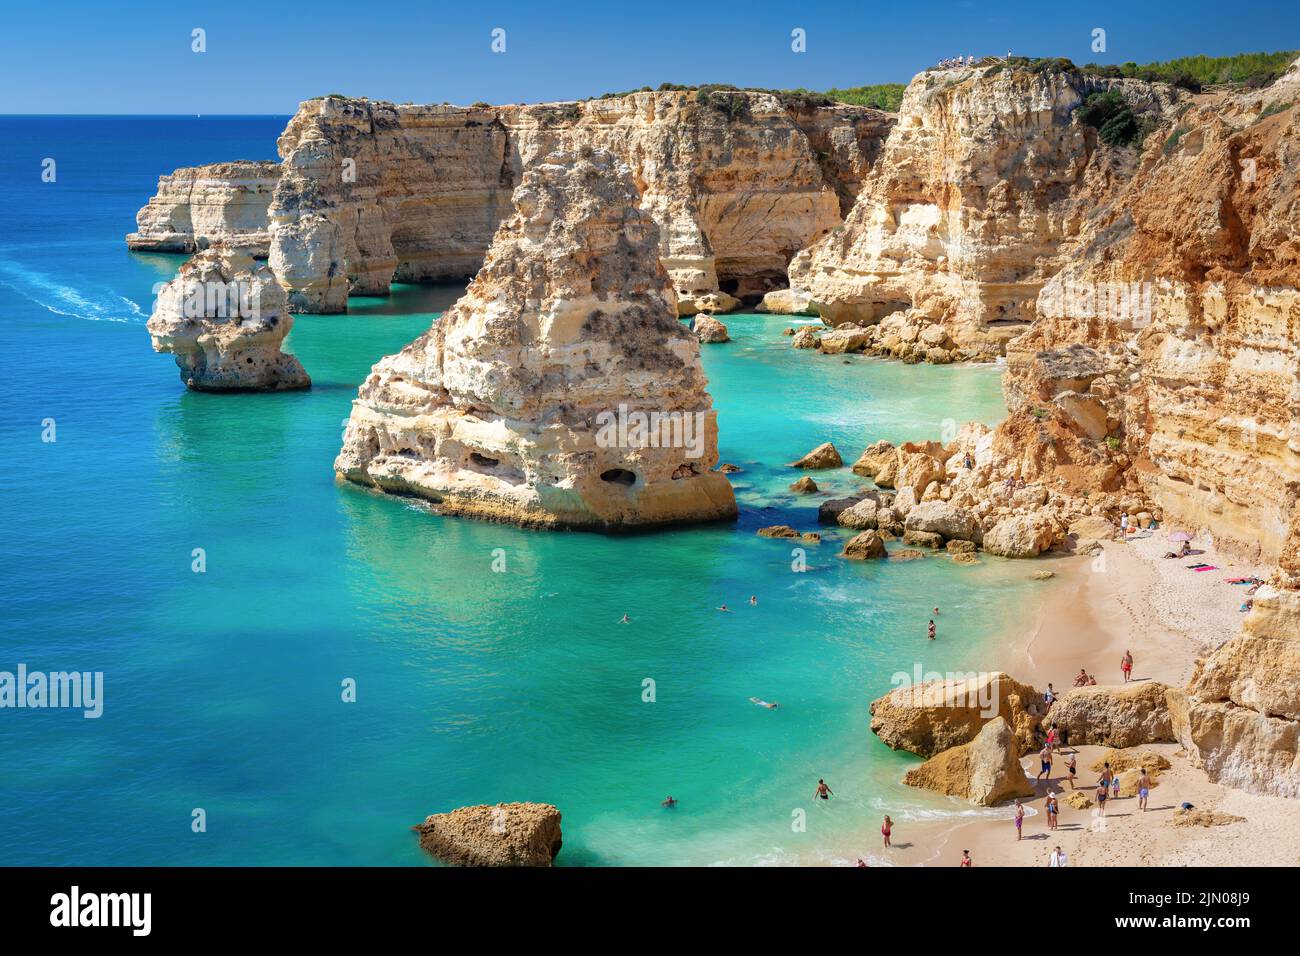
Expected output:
{"points": [[222, 689]]}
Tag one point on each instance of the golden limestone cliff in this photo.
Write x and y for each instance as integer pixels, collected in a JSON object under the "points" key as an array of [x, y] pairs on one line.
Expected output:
{"points": [[201, 205], [958, 223], [371, 192], [561, 390]]}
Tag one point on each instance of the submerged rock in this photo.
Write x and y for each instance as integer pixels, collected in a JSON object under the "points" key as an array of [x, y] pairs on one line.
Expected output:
{"points": [[225, 317], [804, 486], [560, 390], [508, 834]]}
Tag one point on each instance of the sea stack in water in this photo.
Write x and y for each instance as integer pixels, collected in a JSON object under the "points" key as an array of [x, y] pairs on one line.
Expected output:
{"points": [[225, 317], [508, 834], [561, 390]]}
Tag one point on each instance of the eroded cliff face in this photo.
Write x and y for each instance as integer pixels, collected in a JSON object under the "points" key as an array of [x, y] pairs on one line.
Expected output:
{"points": [[1185, 287], [371, 192], [961, 218], [198, 206], [225, 317], [561, 390]]}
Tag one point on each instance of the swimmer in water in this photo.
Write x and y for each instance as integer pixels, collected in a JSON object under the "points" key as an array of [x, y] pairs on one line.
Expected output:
{"points": [[723, 608], [931, 630], [753, 599], [822, 792], [770, 705], [625, 620], [670, 802]]}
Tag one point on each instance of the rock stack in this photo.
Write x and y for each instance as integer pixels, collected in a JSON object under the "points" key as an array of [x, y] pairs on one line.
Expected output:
{"points": [[560, 390]]}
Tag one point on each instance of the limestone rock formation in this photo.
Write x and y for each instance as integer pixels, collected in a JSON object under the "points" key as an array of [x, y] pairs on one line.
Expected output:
{"points": [[804, 486], [943, 518], [199, 206], [737, 182], [560, 390], [508, 834], [864, 546], [1125, 716], [805, 338], [984, 771], [1240, 715], [225, 318], [788, 302], [935, 715], [1019, 536], [708, 329], [823, 456], [974, 191], [1196, 817]]}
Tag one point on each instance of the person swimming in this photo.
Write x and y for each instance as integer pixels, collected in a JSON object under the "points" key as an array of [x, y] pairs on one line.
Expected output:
{"points": [[625, 620], [770, 705], [822, 792], [753, 599], [723, 608], [931, 629], [670, 802]]}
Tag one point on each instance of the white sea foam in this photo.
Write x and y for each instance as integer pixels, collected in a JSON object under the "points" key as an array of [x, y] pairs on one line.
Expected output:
{"points": [[93, 305]]}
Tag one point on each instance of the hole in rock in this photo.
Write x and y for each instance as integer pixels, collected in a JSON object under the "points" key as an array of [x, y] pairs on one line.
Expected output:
{"points": [[483, 460], [618, 476]]}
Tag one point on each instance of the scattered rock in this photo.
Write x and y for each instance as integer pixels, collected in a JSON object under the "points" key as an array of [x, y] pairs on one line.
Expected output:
{"points": [[508, 834], [1078, 799], [907, 554], [829, 511], [875, 457], [805, 338], [823, 456], [812, 537], [965, 557], [788, 302], [1203, 818], [1134, 758], [864, 546], [984, 771], [777, 531], [860, 516], [923, 539], [708, 329], [729, 469], [1019, 536], [943, 518], [1043, 575], [957, 546], [804, 486]]}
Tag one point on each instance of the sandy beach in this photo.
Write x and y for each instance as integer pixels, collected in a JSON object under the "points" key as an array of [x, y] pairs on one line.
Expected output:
{"points": [[1128, 598]]}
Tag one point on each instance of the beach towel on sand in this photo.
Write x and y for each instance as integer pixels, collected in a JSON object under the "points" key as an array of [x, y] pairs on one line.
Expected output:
{"points": [[1206, 567]]}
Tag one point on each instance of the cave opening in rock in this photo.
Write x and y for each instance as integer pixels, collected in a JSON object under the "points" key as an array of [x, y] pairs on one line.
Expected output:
{"points": [[483, 461], [618, 476]]}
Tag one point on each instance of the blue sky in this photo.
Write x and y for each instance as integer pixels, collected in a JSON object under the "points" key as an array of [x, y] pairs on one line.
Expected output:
{"points": [[136, 57]]}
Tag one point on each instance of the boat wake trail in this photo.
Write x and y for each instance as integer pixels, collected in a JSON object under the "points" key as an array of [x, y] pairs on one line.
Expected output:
{"points": [[92, 304]]}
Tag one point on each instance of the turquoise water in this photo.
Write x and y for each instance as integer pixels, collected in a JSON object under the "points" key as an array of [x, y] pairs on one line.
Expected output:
{"points": [[222, 689]]}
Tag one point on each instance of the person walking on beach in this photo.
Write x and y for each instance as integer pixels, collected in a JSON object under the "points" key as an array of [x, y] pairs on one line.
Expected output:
{"points": [[1126, 665], [932, 628], [1144, 789], [1050, 807], [965, 858], [1058, 858], [1103, 792], [822, 792], [1072, 766], [1020, 818], [1045, 761], [886, 828]]}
